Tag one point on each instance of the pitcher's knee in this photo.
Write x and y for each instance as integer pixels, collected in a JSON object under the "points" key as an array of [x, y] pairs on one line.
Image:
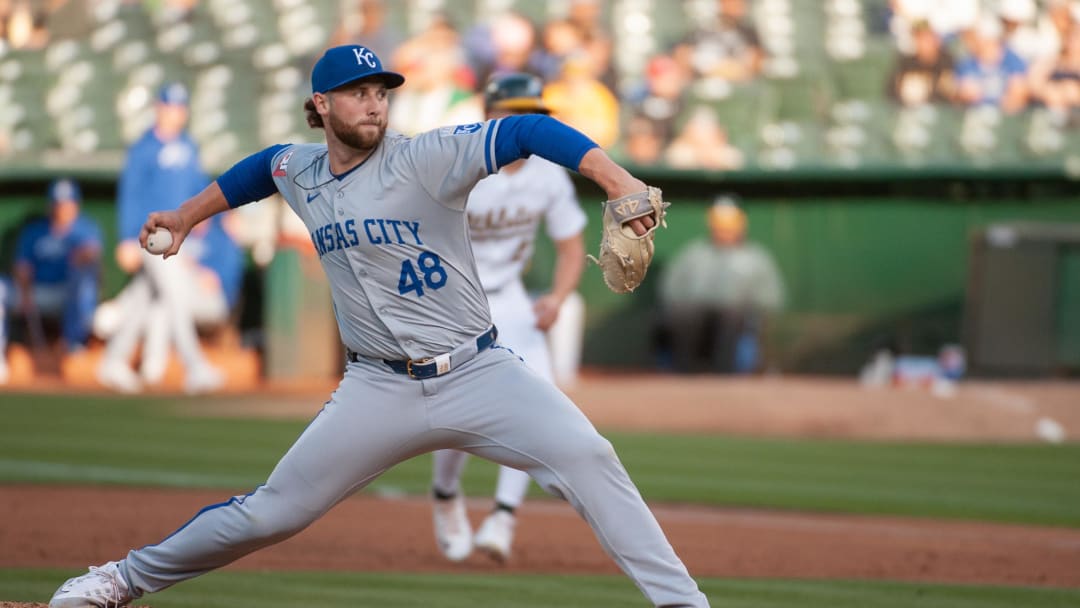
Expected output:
{"points": [[592, 450], [578, 463]]}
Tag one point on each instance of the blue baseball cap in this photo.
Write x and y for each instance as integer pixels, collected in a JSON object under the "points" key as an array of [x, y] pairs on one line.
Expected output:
{"points": [[174, 94], [64, 189], [341, 65]]}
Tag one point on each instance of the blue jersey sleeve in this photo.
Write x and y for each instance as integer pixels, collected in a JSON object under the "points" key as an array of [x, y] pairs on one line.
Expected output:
{"points": [[522, 135], [250, 179]]}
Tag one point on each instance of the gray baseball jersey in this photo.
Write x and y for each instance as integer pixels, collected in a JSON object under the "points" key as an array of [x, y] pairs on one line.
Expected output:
{"points": [[392, 236]]}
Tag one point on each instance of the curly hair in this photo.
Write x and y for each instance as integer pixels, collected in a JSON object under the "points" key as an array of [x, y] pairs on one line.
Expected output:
{"points": [[314, 119]]}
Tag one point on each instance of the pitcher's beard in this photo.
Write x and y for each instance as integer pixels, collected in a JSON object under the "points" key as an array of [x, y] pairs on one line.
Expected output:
{"points": [[354, 138]]}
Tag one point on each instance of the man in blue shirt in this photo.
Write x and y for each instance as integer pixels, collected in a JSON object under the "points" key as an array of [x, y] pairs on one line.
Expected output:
{"points": [[993, 74], [57, 265], [161, 171]]}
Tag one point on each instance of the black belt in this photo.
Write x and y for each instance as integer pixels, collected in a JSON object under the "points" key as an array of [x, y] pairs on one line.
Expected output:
{"points": [[430, 367]]}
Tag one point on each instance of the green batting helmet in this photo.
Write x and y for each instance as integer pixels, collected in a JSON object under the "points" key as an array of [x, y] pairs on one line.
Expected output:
{"points": [[515, 93]]}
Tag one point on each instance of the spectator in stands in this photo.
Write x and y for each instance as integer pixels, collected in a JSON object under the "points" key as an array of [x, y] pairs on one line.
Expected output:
{"points": [[583, 102], [662, 99], [1021, 32], [561, 38], [642, 143], [992, 74], [728, 49], [56, 274], [1058, 84], [434, 94], [703, 144], [947, 19], [587, 16], [715, 297], [23, 25], [1060, 18], [507, 44], [365, 24], [926, 76], [161, 171]]}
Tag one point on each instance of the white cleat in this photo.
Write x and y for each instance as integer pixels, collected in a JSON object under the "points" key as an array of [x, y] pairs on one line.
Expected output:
{"points": [[203, 379], [453, 533], [152, 370], [118, 376], [496, 534], [5, 374], [102, 587]]}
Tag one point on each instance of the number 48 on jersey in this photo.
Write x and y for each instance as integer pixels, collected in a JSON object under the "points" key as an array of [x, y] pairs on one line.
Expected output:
{"points": [[430, 266]]}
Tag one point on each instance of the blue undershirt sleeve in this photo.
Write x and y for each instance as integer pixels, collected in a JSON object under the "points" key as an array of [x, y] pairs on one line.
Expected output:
{"points": [[519, 136], [250, 179]]}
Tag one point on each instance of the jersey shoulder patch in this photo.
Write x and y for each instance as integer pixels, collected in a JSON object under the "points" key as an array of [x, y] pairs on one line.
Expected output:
{"points": [[282, 166], [461, 129]]}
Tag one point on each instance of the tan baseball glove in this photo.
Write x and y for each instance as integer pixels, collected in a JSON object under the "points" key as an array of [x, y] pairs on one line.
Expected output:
{"points": [[625, 256]]}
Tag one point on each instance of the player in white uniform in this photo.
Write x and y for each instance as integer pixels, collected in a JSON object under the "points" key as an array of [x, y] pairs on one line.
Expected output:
{"points": [[387, 217], [504, 212]]}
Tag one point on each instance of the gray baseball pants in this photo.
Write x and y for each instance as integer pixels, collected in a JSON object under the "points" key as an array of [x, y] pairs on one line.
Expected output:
{"points": [[492, 406]]}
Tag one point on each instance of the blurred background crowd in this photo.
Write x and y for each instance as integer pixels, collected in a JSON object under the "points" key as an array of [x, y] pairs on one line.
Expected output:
{"points": [[688, 84], [693, 90]]}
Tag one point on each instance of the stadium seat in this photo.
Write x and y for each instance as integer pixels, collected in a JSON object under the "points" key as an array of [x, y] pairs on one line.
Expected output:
{"points": [[741, 114], [824, 79], [1045, 136], [926, 135], [864, 78]]}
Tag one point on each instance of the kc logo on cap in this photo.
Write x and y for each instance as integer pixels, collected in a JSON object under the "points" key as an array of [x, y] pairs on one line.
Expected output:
{"points": [[341, 65]]}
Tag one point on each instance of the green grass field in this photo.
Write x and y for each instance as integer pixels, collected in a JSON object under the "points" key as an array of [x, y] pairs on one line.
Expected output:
{"points": [[130, 441], [62, 439], [337, 589]]}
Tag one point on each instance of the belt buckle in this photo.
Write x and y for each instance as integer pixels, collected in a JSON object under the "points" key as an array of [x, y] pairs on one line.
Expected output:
{"points": [[409, 364]]}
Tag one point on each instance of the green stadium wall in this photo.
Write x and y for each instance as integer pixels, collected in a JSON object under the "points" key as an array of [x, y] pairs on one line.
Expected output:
{"points": [[866, 260]]}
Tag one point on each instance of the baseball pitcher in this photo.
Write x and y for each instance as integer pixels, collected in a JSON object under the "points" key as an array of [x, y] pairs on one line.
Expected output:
{"points": [[425, 370]]}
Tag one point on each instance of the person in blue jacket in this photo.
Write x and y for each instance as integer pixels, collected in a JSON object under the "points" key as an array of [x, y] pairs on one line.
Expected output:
{"points": [[57, 271], [161, 171]]}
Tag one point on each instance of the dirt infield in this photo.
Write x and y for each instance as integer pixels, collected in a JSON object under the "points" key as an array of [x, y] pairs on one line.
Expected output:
{"points": [[73, 527]]}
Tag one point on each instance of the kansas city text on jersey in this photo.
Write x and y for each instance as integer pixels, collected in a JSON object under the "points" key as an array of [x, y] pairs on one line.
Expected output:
{"points": [[378, 231]]}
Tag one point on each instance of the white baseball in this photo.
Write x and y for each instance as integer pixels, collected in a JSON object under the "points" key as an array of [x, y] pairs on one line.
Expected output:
{"points": [[159, 242]]}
